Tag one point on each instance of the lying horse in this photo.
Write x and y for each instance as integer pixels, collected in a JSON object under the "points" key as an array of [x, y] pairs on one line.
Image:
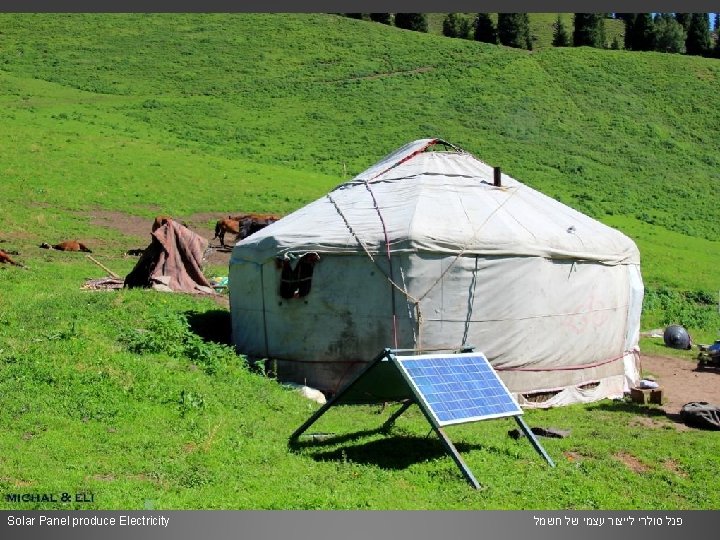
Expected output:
{"points": [[5, 258], [70, 245]]}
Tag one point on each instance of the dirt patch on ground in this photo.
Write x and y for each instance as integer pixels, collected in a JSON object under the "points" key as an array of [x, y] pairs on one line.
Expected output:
{"points": [[133, 226], [631, 462], [648, 422], [681, 382], [203, 224], [573, 456], [101, 477], [15, 482], [139, 228], [674, 467]]}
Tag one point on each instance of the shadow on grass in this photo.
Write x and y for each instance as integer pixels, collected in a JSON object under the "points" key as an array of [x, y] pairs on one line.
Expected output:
{"points": [[626, 407], [635, 408], [390, 452], [214, 325], [318, 440]]}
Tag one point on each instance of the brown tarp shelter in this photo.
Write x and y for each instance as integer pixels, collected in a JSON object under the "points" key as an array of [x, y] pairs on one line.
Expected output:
{"points": [[172, 261]]}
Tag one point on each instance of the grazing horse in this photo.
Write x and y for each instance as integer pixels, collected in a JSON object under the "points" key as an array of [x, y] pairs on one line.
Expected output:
{"points": [[243, 225], [70, 245], [5, 258], [224, 226], [252, 223]]}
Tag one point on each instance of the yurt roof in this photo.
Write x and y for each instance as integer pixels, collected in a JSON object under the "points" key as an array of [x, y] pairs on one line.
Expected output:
{"points": [[422, 199]]}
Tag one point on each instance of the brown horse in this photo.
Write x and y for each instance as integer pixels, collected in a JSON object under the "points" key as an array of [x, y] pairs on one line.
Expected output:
{"points": [[5, 258], [226, 225], [70, 245], [243, 225], [252, 223]]}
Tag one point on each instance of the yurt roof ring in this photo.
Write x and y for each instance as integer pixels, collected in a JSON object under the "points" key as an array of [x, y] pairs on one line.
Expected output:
{"points": [[431, 143]]}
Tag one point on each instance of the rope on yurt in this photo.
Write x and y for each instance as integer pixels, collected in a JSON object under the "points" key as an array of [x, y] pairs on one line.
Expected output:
{"points": [[414, 301], [264, 314], [410, 156], [467, 244], [567, 368], [471, 302], [390, 265], [410, 310]]}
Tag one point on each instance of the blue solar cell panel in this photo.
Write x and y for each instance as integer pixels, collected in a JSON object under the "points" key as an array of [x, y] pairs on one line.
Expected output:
{"points": [[458, 388]]}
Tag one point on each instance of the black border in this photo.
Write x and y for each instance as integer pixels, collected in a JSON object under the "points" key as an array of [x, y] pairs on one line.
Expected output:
{"points": [[336, 6]]}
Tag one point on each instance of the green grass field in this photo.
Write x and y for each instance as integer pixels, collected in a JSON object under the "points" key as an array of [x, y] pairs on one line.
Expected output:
{"points": [[115, 394]]}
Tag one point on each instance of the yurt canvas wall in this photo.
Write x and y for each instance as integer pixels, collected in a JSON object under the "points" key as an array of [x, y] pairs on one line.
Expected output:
{"points": [[423, 251]]}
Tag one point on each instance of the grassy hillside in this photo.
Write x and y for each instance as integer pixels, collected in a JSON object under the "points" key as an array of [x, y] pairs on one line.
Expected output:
{"points": [[611, 133], [134, 115]]}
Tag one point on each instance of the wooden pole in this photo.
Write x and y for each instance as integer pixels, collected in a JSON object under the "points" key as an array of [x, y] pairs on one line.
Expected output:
{"points": [[110, 272]]}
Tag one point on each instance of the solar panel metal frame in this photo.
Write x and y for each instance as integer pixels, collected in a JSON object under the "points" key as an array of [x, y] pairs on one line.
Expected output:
{"points": [[512, 408], [356, 392]]}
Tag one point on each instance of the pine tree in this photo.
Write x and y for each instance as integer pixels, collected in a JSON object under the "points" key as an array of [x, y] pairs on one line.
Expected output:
{"points": [[412, 21], [560, 35], [643, 33], [629, 19], [514, 30], [589, 30], [466, 28], [670, 36], [382, 18], [485, 29], [450, 25], [698, 34], [683, 19], [456, 25]]}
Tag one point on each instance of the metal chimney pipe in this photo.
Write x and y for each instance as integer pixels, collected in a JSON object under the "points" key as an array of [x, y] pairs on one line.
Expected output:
{"points": [[498, 173]]}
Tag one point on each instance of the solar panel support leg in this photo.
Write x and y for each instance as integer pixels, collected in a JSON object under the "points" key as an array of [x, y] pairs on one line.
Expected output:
{"points": [[450, 447], [530, 435], [390, 421], [299, 431]]}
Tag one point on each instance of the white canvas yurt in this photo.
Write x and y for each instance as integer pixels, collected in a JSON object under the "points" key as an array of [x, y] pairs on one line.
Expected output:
{"points": [[427, 250]]}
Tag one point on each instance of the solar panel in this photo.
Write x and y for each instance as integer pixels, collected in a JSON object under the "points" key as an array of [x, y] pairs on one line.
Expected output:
{"points": [[458, 388], [449, 388]]}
